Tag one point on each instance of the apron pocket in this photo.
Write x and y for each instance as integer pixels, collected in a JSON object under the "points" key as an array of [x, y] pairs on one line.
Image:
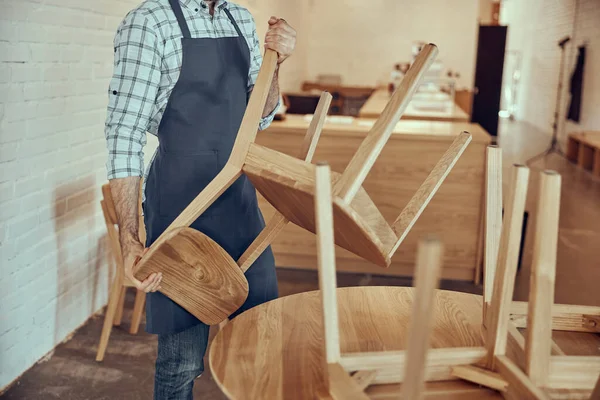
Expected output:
{"points": [[182, 178]]}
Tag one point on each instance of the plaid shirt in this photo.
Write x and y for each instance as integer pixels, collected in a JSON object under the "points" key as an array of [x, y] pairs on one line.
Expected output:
{"points": [[147, 62]]}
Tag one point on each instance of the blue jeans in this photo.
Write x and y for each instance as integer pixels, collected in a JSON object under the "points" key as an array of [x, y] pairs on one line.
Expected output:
{"points": [[180, 360]]}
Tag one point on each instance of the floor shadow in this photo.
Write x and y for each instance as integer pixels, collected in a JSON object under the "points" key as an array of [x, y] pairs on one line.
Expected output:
{"points": [[82, 281]]}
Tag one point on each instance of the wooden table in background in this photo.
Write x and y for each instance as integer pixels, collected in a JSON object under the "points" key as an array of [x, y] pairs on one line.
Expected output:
{"points": [[342, 95], [583, 148], [421, 107], [454, 214], [275, 351]]}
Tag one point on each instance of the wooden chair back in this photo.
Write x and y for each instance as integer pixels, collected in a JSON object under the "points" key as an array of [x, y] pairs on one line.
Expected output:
{"points": [[112, 224]]}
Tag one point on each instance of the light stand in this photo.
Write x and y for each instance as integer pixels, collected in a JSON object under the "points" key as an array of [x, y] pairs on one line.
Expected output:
{"points": [[554, 143]]}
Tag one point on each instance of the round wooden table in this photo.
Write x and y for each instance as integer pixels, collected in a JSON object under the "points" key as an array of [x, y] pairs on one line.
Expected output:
{"points": [[275, 350]]}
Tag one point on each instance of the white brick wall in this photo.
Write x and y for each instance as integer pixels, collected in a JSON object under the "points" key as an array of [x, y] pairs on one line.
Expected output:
{"points": [[534, 29], [55, 63]]}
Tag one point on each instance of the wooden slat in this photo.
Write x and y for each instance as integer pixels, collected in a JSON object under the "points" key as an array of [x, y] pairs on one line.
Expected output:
{"points": [[493, 220], [110, 204], [326, 261], [278, 221], [429, 260], [543, 272], [480, 376], [256, 105], [519, 385], [309, 144], [448, 390], [415, 207], [565, 317], [573, 372], [275, 225], [439, 360], [515, 347], [113, 237], [342, 386], [364, 378], [508, 256], [360, 165]]}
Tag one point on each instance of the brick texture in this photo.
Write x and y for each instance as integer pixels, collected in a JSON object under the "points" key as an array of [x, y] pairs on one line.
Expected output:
{"points": [[534, 30], [55, 64]]}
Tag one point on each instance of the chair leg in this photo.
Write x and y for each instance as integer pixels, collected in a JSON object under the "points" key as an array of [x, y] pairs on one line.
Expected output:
{"points": [[138, 310], [417, 204], [223, 323], [111, 309], [120, 306]]}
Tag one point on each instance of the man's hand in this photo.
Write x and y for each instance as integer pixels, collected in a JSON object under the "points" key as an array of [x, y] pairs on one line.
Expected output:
{"points": [[125, 194], [280, 37], [132, 253]]}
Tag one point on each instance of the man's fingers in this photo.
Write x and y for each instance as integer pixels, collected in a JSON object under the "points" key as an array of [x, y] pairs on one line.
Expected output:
{"points": [[282, 29], [275, 37], [154, 285], [147, 282], [278, 47]]}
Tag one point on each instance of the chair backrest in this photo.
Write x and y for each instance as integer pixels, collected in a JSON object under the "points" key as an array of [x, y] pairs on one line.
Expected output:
{"points": [[112, 223], [110, 219], [110, 204]]}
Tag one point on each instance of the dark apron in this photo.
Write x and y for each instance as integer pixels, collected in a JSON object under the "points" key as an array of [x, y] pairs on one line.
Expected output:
{"points": [[196, 136]]}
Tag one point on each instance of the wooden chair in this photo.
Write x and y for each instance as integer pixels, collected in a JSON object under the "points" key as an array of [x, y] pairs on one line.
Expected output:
{"points": [[517, 368], [288, 183], [114, 310]]}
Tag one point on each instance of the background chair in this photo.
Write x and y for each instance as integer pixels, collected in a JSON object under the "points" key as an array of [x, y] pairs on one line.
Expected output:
{"points": [[120, 283]]}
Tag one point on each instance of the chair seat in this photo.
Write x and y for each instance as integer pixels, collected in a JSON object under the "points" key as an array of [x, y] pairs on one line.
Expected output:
{"points": [[288, 184]]}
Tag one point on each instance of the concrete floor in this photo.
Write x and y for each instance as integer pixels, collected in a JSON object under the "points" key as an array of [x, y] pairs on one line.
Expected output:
{"points": [[127, 371]]}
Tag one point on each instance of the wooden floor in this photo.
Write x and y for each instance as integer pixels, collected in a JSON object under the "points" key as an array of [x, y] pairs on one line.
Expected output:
{"points": [[578, 263], [128, 369]]}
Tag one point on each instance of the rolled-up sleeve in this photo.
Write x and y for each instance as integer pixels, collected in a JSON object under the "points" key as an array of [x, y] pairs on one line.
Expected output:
{"points": [[132, 95], [255, 63]]}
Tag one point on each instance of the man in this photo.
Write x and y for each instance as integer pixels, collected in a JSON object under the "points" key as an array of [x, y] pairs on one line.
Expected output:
{"points": [[183, 71]]}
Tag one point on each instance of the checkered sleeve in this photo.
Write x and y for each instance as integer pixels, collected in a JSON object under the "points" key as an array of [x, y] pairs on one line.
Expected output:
{"points": [[132, 94], [255, 63]]}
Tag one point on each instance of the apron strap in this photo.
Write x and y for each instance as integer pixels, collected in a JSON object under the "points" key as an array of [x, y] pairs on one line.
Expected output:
{"points": [[235, 25], [180, 18]]}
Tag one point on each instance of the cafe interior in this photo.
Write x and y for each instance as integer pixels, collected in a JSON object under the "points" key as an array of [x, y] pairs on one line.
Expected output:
{"points": [[472, 125]]}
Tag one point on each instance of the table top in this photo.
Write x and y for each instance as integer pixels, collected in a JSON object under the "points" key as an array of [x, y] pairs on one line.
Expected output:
{"points": [[423, 106], [274, 351], [404, 129]]}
